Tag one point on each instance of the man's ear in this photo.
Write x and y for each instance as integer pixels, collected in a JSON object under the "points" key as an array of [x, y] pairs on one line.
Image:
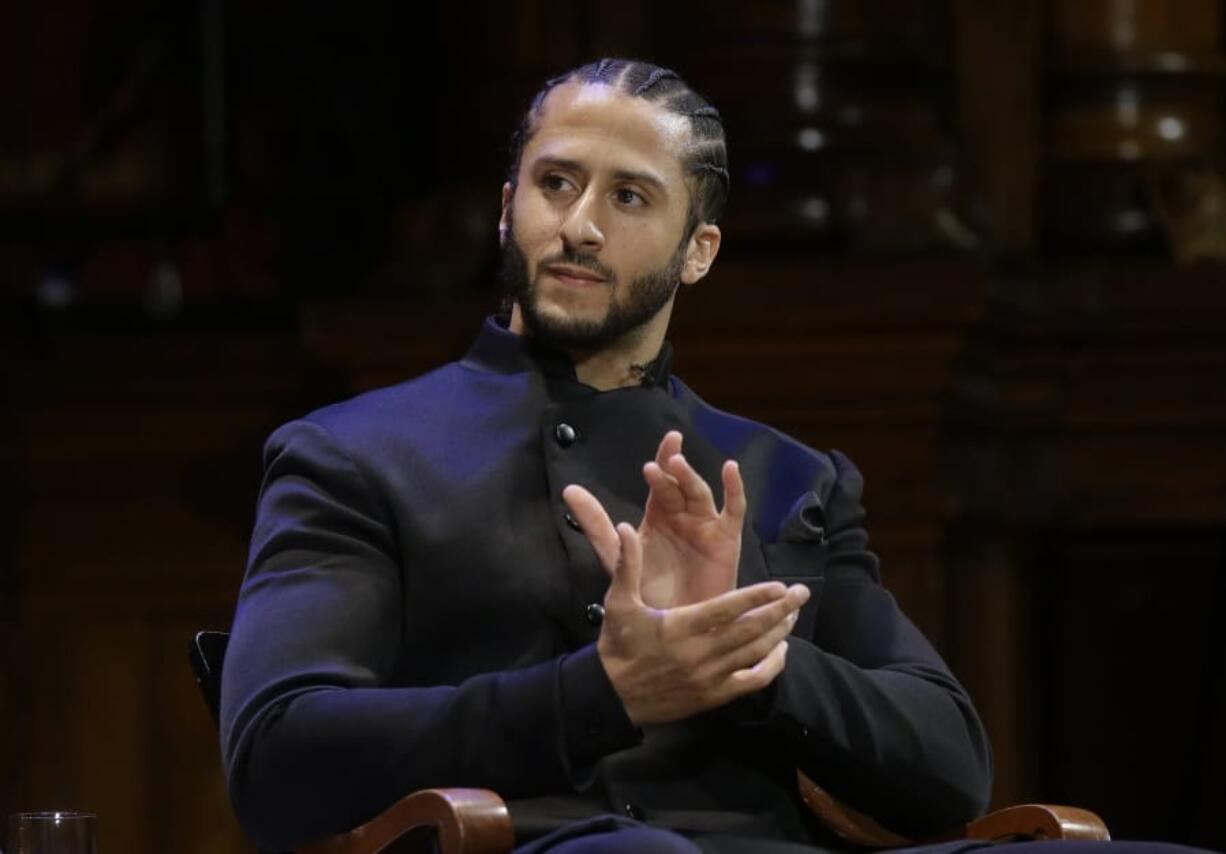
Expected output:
{"points": [[504, 220], [700, 253]]}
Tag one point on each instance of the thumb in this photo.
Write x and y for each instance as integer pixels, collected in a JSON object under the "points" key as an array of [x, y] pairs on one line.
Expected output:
{"points": [[628, 573]]}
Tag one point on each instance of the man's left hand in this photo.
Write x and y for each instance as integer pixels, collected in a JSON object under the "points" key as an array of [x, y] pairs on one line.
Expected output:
{"points": [[690, 550]]}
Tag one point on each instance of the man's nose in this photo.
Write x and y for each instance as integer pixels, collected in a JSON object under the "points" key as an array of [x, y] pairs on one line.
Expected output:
{"points": [[581, 228]]}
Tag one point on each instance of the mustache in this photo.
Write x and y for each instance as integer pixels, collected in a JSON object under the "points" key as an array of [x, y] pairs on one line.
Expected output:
{"points": [[580, 259]]}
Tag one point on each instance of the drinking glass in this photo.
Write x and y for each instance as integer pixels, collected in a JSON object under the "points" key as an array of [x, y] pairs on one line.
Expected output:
{"points": [[52, 833]]}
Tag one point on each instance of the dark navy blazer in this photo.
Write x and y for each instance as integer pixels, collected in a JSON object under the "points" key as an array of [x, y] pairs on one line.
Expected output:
{"points": [[416, 613]]}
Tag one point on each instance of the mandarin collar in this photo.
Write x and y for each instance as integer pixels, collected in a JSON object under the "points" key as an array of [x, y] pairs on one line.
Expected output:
{"points": [[502, 351]]}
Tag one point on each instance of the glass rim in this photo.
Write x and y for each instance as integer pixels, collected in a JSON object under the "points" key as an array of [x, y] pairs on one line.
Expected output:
{"points": [[55, 815]]}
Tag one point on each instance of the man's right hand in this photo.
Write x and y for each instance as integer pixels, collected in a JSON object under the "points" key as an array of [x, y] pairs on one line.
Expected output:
{"points": [[667, 665]]}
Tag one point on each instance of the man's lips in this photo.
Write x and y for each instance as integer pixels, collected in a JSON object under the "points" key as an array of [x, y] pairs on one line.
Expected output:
{"points": [[574, 274]]}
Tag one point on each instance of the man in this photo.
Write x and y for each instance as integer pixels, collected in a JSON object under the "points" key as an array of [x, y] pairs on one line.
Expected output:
{"points": [[551, 570]]}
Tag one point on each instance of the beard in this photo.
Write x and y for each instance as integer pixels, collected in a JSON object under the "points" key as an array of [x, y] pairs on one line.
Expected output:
{"points": [[645, 296]]}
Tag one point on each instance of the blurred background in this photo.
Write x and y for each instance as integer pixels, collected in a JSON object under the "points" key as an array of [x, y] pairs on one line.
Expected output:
{"points": [[979, 245]]}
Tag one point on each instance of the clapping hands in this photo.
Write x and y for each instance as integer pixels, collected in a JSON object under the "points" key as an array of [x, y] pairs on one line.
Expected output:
{"points": [[678, 636]]}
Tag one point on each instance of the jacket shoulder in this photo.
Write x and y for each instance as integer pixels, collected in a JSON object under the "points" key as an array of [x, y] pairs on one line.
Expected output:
{"points": [[378, 406], [736, 433], [776, 467]]}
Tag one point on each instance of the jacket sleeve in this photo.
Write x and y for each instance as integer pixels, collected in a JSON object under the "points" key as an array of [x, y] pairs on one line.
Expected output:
{"points": [[314, 739], [865, 703]]}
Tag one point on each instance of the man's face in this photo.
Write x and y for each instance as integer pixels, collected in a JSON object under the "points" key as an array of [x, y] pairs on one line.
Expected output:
{"points": [[594, 229]]}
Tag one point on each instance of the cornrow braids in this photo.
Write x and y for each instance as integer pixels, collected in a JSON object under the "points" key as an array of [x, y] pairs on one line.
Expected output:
{"points": [[654, 78], [602, 68], [706, 158]]}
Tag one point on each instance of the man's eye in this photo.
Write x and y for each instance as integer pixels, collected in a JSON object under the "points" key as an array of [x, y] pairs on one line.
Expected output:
{"points": [[629, 197], [555, 183]]}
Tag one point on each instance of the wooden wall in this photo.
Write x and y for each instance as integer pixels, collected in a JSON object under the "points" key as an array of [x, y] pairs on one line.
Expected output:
{"points": [[1043, 432], [141, 461]]}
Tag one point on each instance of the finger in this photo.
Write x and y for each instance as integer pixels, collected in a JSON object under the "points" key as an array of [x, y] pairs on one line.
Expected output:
{"points": [[758, 622], [669, 445], [735, 504], [750, 653], [698, 495], [718, 610], [760, 675], [665, 490], [628, 572], [595, 522]]}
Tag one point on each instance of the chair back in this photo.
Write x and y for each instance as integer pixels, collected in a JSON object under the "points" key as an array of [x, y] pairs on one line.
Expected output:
{"points": [[207, 653]]}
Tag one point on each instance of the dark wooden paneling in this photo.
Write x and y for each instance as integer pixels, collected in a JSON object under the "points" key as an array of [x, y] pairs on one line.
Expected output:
{"points": [[999, 90], [142, 461], [1043, 455], [1094, 489], [1133, 684]]}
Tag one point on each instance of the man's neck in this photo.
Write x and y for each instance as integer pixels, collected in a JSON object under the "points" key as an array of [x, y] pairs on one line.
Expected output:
{"points": [[616, 365]]}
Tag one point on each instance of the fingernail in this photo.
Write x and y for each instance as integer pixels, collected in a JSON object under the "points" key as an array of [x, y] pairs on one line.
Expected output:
{"points": [[804, 592]]}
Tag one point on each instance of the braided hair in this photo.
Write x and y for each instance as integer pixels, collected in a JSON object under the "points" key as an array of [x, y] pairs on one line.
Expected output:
{"points": [[706, 157]]}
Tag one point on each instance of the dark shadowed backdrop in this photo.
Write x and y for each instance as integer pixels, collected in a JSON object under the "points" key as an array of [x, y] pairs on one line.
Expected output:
{"points": [[979, 245]]}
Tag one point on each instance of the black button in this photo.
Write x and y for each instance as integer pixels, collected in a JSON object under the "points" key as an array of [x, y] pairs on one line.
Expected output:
{"points": [[573, 522], [565, 434], [594, 613], [593, 727], [634, 811]]}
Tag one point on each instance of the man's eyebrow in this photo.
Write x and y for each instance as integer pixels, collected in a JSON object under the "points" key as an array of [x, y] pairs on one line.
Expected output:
{"points": [[558, 163], [641, 178], [629, 175]]}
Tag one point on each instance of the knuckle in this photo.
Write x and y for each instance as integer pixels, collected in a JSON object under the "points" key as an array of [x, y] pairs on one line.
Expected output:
{"points": [[765, 624], [741, 634], [737, 683], [763, 646], [783, 627], [752, 680], [688, 660]]}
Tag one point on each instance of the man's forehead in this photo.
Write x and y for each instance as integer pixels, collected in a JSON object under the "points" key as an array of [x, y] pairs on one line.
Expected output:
{"points": [[576, 112]]}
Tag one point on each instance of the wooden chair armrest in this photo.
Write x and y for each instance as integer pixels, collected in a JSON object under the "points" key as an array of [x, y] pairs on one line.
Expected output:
{"points": [[847, 823], [476, 821], [464, 821], [1037, 822]]}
